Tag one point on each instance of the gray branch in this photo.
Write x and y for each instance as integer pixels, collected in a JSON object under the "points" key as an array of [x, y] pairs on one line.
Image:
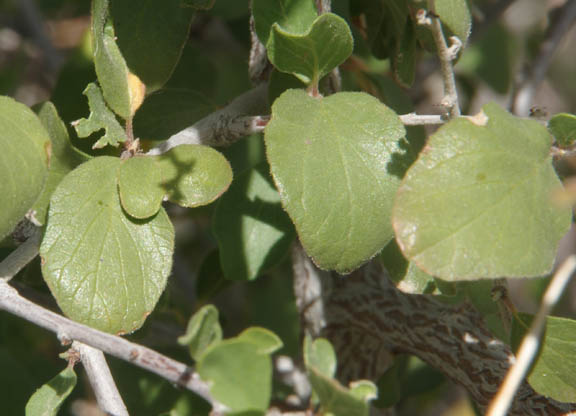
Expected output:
{"points": [[20, 257]]}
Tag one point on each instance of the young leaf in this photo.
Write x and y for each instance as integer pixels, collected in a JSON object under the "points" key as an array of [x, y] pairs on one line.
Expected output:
{"points": [[104, 269], [151, 35], [100, 118], [319, 355], [109, 63], [334, 161], [477, 203], [203, 330], [294, 16], [313, 54], [266, 341], [65, 157], [240, 376], [563, 127], [139, 186], [194, 175], [48, 399], [253, 231], [24, 161]]}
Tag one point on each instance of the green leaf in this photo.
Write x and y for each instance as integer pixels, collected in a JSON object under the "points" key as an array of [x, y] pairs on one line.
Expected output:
{"points": [[405, 274], [319, 355], [240, 376], [554, 373], [168, 111], [364, 390], [253, 231], [313, 54], [194, 175], [48, 399], [563, 127], [293, 16], [110, 65], [104, 269], [455, 16], [139, 186], [203, 330], [335, 398], [65, 157], [266, 341], [335, 163], [477, 203], [24, 159], [151, 35], [100, 118]]}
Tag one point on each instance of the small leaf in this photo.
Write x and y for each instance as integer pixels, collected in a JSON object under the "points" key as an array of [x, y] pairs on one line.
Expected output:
{"points": [[65, 157], [313, 54], [563, 127], [253, 231], [364, 390], [477, 203], [108, 60], [100, 118], [48, 399], [335, 163], [554, 373], [194, 175], [455, 16], [168, 111], [139, 185], [24, 161], [239, 375], [293, 16], [104, 269], [320, 356], [407, 277], [266, 341], [203, 330], [151, 35]]}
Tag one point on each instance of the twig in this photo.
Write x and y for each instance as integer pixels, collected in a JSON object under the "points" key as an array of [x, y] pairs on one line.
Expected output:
{"points": [[536, 71], [68, 330], [501, 402], [446, 55], [20, 257], [224, 126], [413, 119], [101, 380]]}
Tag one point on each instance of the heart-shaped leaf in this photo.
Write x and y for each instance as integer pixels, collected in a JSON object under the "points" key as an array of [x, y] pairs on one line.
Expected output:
{"points": [[24, 160], [48, 399], [293, 16], [335, 162], [104, 269], [313, 54], [477, 203]]}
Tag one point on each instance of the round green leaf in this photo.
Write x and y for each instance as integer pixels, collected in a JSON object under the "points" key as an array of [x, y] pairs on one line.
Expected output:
{"points": [[477, 203], [563, 127], [24, 157], [266, 341], [240, 376], [104, 269], [319, 355], [139, 185], [313, 54], [194, 175], [335, 162]]}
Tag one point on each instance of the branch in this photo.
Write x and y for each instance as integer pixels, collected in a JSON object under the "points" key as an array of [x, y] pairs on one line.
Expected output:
{"points": [[101, 380], [68, 330], [531, 341], [368, 319], [224, 126], [536, 71], [446, 55], [20, 257]]}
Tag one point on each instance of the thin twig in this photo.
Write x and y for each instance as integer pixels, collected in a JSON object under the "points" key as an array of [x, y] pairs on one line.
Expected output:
{"points": [[68, 331], [20, 257], [224, 126], [501, 402], [536, 71], [101, 380], [446, 55]]}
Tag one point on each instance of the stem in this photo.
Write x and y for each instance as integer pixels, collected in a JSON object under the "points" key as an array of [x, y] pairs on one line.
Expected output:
{"points": [[20, 257], [68, 330], [501, 402], [101, 380]]}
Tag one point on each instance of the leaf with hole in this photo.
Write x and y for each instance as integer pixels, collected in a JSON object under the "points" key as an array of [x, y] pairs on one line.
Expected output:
{"points": [[25, 148], [337, 163], [313, 54], [105, 269], [478, 202]]}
